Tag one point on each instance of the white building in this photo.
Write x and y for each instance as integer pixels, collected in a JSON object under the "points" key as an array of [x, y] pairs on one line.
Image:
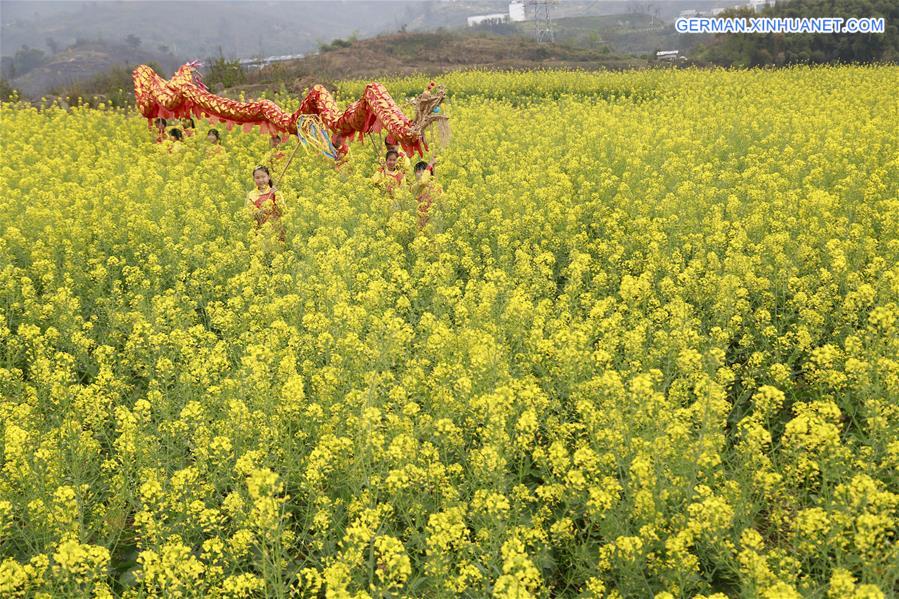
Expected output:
{"points": [[258, 63], [516, 11], [516, 14], [667, 55], [759, 5], [495, 18]]}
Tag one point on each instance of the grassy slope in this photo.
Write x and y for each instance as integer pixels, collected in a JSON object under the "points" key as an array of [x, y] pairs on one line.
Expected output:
{"points": [[433, 53]]}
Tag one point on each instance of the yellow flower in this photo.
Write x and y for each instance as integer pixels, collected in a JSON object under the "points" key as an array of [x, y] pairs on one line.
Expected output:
{"points": [[393, 565], [80, 563], [640, 345]]}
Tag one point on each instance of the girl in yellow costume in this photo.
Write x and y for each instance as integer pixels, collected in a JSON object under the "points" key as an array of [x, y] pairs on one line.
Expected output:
{"points": [[261, 201], [426, 189], [341, 152], [160, 124], [189, 126], [175, 142], [214, 141], [403, 162], [388, 176]]}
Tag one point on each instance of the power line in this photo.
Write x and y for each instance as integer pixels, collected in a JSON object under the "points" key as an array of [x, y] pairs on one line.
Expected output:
{"points": [[543, 22]]}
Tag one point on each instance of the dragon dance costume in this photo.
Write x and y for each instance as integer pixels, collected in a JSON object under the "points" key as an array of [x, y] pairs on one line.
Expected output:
{"points": [[184, 96]]}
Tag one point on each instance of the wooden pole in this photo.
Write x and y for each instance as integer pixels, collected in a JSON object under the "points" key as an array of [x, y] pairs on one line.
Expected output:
{"points": [[289, 160]]}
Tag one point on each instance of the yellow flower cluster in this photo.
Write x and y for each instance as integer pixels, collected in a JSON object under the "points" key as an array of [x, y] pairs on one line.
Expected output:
{"points": [[647, 345]]}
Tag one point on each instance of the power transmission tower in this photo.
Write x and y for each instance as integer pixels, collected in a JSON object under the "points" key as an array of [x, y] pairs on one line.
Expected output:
{"points": [[543, 21]]}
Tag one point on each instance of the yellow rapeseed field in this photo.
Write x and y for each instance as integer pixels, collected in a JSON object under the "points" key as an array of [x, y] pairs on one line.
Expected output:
{"points": [[646, 346]]}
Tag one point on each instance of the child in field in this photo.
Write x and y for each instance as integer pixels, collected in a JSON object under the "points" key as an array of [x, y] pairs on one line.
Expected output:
{"points": [[426, 189], [189, 126], [173, 144], [214, 145], [160, 124], [403, 161], [388, 177], [261, 200], [342, 150]]}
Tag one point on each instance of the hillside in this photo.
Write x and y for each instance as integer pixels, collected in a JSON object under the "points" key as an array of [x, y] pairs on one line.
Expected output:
{"points": [[749, 50], [408, 53], [85, 61], [93, 67], [625, 33]]}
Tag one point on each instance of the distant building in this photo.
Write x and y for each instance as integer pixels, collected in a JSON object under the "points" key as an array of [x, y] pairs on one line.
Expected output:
{"points": [[516, 14], [670, 55], [493, 19], [258, 63], [516, 11], [759, 5]]}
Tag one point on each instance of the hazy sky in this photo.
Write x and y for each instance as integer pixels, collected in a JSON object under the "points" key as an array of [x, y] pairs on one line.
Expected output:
{"points": [[197, 28]]}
